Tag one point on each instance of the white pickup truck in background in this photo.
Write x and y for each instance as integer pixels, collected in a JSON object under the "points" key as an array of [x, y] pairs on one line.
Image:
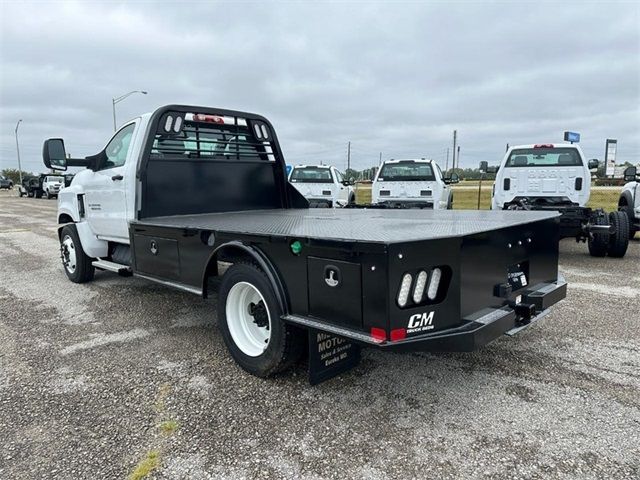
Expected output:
{"points": [[51, 185], [413, 184], [322, 185]]}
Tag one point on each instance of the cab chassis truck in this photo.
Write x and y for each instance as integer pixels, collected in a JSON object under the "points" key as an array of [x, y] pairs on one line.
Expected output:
{"points": [[207, 187]]}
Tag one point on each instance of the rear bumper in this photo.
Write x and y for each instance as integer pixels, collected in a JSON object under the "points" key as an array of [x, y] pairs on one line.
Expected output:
{"points": [[473, 332], [406, 203]]}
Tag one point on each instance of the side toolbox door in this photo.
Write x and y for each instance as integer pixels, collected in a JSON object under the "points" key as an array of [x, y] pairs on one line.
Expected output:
{"points": [[105, 193]]}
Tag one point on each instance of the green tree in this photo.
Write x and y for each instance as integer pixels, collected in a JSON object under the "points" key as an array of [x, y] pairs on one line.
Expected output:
{"points": [[13, 174]]}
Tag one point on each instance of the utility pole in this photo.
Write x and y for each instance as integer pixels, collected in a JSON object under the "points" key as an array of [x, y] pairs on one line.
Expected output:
{"points": [[458, 157], [455, 138], [446, 165], [380, 161], [349, 156], [18, 151], [507, 147]]}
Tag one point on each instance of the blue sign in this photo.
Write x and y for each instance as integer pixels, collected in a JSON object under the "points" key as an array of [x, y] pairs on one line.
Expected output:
{"points": [[571, 137]]}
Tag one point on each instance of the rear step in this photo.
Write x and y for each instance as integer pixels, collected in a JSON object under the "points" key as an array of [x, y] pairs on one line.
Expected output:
{"points": [[118, 268]]}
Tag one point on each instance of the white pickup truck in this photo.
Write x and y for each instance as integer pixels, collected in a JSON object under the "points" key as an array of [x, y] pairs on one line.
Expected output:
{"points": [[322, 185], [51, 185], [558, 177], [412, 184]]}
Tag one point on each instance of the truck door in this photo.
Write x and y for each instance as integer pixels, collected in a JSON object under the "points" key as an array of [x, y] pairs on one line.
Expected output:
{"points": [[343, 192], [105, 189]]}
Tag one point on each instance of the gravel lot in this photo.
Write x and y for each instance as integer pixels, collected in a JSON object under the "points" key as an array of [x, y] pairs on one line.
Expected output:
{"points": [[96, 378]]}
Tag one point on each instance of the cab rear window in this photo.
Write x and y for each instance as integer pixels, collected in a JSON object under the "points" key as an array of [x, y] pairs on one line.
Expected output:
{"points": [[406, 171], [544, 157], [311, 175]]}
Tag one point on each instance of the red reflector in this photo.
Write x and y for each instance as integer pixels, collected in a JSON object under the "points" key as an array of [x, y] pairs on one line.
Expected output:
{"points": [[398, 334], [378, 334], [200, 117], [543, 145]]}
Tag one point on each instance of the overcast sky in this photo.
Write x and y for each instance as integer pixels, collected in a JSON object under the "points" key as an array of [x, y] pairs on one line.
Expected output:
{"points": [[395, 78]]}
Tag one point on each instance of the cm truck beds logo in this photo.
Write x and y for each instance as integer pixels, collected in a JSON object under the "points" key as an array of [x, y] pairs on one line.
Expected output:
{"points": [[421, 322]]}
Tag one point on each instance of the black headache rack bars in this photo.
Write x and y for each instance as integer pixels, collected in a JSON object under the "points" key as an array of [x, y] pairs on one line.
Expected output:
{"points": [[205, 160]]}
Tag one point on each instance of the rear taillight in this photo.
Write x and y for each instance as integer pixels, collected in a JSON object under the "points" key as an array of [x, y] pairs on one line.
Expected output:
{"points": [[398, 334], [378, 335], [428, 287], [434, 284]]}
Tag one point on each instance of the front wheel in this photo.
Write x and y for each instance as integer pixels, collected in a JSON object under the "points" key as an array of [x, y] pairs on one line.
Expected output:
{"points": [[619, 239], [77, 264], [249, 319]]}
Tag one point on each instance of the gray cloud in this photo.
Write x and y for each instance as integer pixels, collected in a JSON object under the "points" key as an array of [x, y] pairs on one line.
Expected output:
{"points": [[393, 77]]}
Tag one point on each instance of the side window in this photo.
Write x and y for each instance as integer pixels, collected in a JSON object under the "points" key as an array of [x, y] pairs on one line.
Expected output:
{"points": [[117, 149]]}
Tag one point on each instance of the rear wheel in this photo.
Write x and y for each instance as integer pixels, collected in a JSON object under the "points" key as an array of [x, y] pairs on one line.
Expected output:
{"points": [[76, 263], [599, 241], [249, 319], [628, 210], [619, 239]]}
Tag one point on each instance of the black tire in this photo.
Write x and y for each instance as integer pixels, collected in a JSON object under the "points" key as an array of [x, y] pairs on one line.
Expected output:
{"points": [[599, 241], [286, 342], [619, 239], [450, 202], [628, 210], [38, 194], [83, 270], [30, 194], [47, 195], [352, 199]]}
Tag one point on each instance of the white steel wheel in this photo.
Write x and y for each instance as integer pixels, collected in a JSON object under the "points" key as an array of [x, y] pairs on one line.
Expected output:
{"points": [[248, 319], [68, 254]]}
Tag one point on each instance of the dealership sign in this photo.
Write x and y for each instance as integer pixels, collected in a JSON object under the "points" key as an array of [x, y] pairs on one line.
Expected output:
{"points": [[610, 156]]}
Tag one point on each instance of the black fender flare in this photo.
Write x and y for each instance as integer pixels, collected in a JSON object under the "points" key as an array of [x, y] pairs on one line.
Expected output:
{"points": [[263, 262], [628, 197]]}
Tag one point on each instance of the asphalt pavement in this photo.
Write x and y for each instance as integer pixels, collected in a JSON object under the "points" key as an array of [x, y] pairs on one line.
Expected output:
{"points": [[123, 376]]}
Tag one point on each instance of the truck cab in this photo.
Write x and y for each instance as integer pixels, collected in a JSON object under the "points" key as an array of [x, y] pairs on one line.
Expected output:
{"points": [[548, 173], [412, 184], [322, 185]]}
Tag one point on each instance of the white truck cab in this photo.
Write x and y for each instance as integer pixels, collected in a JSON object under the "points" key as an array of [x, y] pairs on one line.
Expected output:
{"points": [[412, 183], [553, 173], [51, 185], [101, 198], [322, 185]]}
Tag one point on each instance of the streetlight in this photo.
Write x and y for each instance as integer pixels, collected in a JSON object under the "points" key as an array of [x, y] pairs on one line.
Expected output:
{"points": [[119, 99], [18, 150]]}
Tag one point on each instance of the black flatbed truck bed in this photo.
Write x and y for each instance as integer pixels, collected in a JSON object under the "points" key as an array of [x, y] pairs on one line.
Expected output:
{"points": [[211, 187]]}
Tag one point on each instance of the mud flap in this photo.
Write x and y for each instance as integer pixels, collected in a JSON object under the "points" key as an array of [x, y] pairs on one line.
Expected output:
{"points": [[330, 355]]}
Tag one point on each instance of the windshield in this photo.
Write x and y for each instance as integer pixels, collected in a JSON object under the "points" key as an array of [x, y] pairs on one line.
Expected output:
{"points": [[544, 157], [409, 171], [311, 175]]}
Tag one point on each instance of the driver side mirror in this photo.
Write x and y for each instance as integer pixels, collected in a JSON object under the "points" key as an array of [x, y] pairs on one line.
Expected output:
{"points": [[348, 183], [453, 178], [630, 174], [54, 154], [593, 164]]}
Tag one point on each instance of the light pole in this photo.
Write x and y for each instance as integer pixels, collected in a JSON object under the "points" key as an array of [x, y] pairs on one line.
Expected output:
{"points": [[18, 151], [118, 100]]}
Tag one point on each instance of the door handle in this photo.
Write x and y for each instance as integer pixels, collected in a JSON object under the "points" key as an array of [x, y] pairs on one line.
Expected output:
{"points": [[117, 177]]}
